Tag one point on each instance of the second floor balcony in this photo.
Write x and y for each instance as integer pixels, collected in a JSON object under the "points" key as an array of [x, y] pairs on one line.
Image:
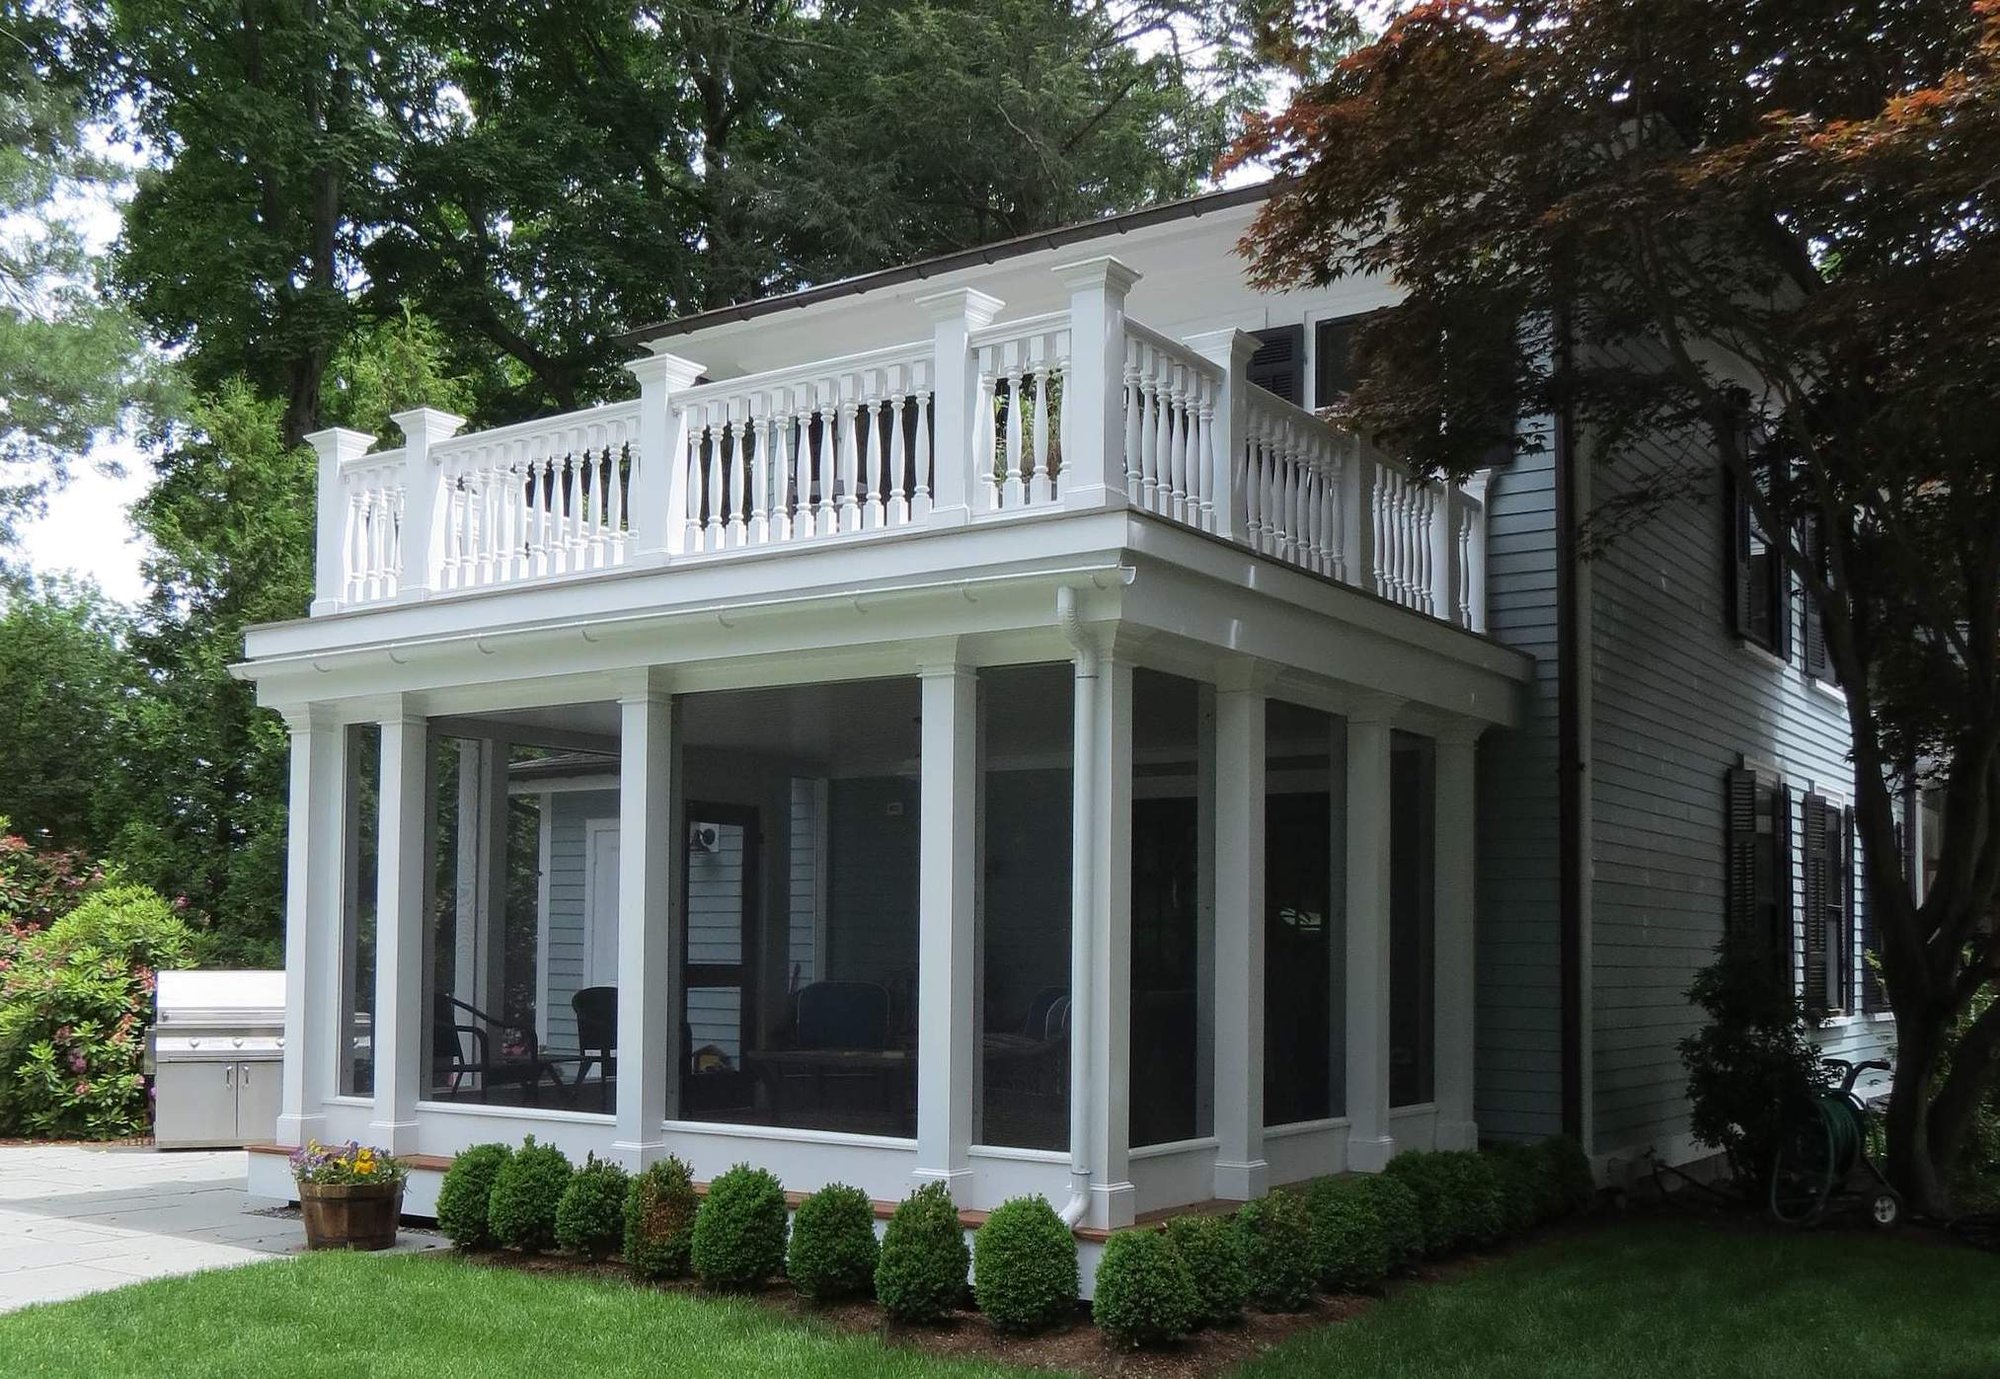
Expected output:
{"points": [[981, 423]]}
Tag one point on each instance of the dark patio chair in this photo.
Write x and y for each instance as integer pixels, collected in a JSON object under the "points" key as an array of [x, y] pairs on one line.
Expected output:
{"points": [[469, 1043], [596, 1010]]}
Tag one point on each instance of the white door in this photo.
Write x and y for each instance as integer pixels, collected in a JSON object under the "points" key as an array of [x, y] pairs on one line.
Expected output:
{"points": [[600, 949]]}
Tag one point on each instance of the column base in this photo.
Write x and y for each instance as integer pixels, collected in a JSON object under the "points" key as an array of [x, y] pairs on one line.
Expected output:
{"points": [[1242, 1182], [956, 515], [1112, 1205], [1092, 496], [1457, 1134], [293, 1131], [1370, 1154], [957, 1181], [639, 1155], [396, 1136]]}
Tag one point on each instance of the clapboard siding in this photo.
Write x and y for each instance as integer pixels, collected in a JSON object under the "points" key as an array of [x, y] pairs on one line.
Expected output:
{"points": [[803, 883], [1676, 701], [1519, 1060], [715, 935], [570, 816]]}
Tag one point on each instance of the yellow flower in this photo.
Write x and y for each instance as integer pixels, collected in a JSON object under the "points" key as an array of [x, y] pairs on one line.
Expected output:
{"points": [[365, 1166]]}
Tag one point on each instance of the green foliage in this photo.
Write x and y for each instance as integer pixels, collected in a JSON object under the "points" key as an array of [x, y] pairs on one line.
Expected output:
{"points": [[1402, 1218], [590, 1217], [1145, 1293], [739, 1231], [921, 1276], [76, 1001], [39, 883], [521, 1210], [1350, 1245], [66, 681], [1276, 1231], [833, 1251], [1528, 1191], [660, 1209], [1753, 1063], [1458, 1195], [1024, 1266], [1572, 1186], [1212, 1249], [464, 1193]]}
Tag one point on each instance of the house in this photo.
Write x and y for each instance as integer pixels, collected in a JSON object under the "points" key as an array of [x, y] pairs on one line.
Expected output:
{"points": [[974, 723]]}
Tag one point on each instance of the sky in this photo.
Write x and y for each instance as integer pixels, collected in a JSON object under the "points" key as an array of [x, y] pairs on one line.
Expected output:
{"points": [[87, 530]]}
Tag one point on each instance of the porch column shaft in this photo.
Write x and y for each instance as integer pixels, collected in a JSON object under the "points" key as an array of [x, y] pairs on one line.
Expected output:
{"points": [[312, 924], [1109, 828], [396, 1034], [947, 832], [1240, 1170], [1454, 899], [649, 853], [1369, 1143]]}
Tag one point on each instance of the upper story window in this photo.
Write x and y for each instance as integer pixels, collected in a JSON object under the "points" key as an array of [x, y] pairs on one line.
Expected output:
{"points": [[1813, 644], [1334, 374], [1826, 968], [1279, 365], [1759, 892], [1760, 582]]}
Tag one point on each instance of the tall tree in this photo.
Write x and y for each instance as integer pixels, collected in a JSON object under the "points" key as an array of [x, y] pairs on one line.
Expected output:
{"points": [[1765, 231], [68, 357], [65, 686]]}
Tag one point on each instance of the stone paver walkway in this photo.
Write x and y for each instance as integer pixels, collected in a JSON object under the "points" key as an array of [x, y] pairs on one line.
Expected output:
{"points": [[76, 1219]]}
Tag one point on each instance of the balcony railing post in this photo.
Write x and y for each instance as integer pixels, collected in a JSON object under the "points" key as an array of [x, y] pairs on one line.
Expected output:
{"points": [[1093, 468], [335, 446], [1230, 350], [1444, 562], [425, 503], [1474, 551], [656, 502], [1357, 516], [954, 316]]}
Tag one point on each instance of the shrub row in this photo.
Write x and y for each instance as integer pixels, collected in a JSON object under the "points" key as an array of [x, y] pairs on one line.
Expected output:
{"points": [[1343, 1235]]}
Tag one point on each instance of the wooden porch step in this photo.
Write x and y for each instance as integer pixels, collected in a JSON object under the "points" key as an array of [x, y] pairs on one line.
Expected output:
{"points": [[971, 1220]]}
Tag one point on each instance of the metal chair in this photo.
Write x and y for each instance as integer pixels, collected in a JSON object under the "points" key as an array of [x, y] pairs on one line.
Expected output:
{"points": [[596, 1010], [466, 1050]]}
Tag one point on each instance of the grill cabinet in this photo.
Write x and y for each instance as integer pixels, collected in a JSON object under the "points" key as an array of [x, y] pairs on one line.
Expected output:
{"points": [[218, 1057]]}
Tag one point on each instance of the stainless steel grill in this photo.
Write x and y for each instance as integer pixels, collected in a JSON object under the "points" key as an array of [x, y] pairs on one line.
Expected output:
{"points": [[218, 1055]]}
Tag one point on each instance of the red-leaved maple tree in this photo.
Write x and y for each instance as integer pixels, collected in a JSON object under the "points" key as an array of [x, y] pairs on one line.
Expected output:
{"points": [[1765, 231]]}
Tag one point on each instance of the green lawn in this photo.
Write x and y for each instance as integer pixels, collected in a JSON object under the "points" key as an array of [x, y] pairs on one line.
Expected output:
{"points": [[1677, 1301], [1680, 1301]]}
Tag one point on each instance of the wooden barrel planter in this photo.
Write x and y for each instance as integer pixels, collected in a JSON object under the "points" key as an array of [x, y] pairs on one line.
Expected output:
{"points": [[351, 1216]]}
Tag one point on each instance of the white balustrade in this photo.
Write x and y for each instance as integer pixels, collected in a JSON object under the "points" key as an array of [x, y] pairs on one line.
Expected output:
{"points": [[536, 499], [371, 492], [1019, 412], [801, 453], [1172, 464], [852, 446]]}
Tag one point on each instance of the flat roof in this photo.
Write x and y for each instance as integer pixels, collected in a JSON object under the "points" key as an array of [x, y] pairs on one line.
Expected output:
{"points": [[1185, 209]]}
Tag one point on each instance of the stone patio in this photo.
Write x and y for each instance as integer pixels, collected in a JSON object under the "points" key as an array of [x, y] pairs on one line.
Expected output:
{"points": [[76, 1219]]}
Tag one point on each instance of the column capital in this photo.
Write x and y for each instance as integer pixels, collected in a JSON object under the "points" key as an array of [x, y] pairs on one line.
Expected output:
{"points": [[649, 686], [1241, 676], [1101, 270], [1459, 732], [339, 444], [659, 367], [1230, 348], [427, 425], [1374, 709], [967, 304]]}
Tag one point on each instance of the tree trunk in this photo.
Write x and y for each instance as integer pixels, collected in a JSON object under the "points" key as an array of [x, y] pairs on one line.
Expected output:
{"points": [[1911, 1166]]}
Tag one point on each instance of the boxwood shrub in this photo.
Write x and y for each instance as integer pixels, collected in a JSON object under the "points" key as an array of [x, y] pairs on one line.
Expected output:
{"points": [[1276, 1231], [1024, 1266], [660, 1207], [1350, 1246], [921, 1274], [1569, 1168], [739, 1230], [465, 1191], [1521, 1172], [1402, 1219], [1212, 1249], [1145, 1294], [521, 1211], [1479, 1200], [1428, 1176], [833, 1251], [590, 1218]]}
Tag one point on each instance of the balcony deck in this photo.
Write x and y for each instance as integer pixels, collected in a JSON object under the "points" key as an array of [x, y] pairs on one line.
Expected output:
{"points": [[982, 425]]}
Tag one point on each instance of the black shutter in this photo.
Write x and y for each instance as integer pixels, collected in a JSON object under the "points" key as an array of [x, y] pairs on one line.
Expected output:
{"points": [[1873, 998], [1740, 818], [1781, 899], [1815, 633], [1843, 824], [1279, 365], [1736, 535], [1816, 876]]}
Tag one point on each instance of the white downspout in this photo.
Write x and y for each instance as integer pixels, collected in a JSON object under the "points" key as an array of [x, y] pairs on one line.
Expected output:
{"points": [[1083, 882]]}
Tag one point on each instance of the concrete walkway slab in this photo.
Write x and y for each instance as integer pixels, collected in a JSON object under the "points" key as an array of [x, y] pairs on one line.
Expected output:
{"points": [[76, 1219]]}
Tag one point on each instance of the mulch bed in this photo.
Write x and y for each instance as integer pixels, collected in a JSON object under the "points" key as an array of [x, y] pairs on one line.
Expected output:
{"points": [[1077, 1349], [135, 1142]]}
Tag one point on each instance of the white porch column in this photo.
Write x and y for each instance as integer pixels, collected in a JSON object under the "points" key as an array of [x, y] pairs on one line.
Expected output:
{"points": [[424, 498], [335, 446], [650, 848], [1106, 830], [312, 923], [1094, 437], [402, 870], [1240, 1170], [1369, 1143], [1453, 897], [656, 498], [947, 1031], [955, 394]]}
